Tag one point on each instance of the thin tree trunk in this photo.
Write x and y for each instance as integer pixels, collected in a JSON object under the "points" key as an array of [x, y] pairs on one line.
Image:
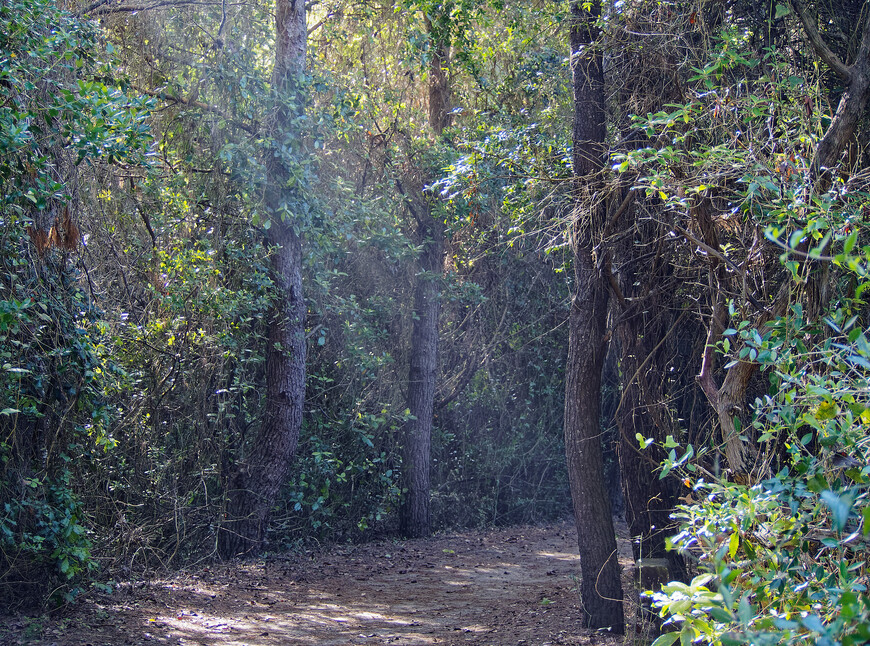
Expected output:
{"points": [[600, 584], [414, 514], [255, 485], [416, 448]]}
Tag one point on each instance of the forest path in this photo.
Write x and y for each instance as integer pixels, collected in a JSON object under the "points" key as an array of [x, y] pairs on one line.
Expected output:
{"points": [[512, 586]]}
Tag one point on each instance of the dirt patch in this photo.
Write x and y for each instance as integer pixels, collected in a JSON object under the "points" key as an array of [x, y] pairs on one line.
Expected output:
{"points": [[508, 586]]}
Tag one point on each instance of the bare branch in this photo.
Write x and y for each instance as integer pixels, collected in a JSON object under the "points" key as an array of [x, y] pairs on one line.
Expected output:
{"points": [[166, 96], [718, 254], [833, 61], [223, 19], [107, 7], [147, 221], [623, 207], [93, 7], [705, 377]]}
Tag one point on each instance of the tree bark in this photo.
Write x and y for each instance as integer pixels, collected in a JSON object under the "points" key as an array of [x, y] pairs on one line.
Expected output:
{"points": [[649, 500], [439, 87], [255, 485], [600, 584], [414, 514], [414, 517]]}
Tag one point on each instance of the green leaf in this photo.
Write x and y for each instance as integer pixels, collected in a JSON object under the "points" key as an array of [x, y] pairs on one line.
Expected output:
{"points": [[666, 640], [733, 544], [744, 610], [781, 10], [813, 623], [840, 507], [849, 606], [795, 238], [850, 242]]}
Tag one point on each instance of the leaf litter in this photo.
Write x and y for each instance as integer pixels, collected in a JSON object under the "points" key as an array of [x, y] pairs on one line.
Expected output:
{"points": [[506, 586]]}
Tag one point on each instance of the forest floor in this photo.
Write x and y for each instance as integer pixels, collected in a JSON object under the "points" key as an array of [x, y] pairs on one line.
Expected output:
{"points": [[514, 585]]}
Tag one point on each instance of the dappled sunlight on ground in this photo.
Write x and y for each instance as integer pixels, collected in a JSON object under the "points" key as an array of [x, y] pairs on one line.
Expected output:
{"points": [[512, 586], [557, 556]]}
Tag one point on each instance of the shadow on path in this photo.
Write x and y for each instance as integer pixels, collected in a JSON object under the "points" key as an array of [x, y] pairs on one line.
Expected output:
{"points": [[512, 586]]}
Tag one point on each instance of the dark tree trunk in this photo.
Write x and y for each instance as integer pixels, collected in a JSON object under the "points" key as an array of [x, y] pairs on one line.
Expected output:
{"points": [[414, 515], [649, 500], [853, 102], [600, 584], [439, 88], [256, 482]]}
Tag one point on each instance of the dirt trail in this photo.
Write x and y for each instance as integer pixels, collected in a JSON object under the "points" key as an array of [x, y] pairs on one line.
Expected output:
{"points": [[509, 586]]}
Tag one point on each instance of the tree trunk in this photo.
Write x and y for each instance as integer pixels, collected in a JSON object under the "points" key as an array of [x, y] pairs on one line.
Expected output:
{"points": [[414, 514], [415, 517], [600, 584], [255, 485], [649, 500]]}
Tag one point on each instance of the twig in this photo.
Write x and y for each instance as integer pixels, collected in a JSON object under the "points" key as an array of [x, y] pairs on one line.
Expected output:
{"points": [[718, 254], [623, 207], [166, 96], [100, 8], [147, 222], [223, 19]]}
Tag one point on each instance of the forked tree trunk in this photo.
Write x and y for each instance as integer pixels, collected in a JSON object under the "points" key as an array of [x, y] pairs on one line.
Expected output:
{"points": [[600, 584], [257, 480], [414, 514]]}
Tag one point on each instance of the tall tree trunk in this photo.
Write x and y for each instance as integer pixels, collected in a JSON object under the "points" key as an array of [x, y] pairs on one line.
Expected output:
{"points": [[414, 514], [600, 584], [255, 485], [417, 437]]}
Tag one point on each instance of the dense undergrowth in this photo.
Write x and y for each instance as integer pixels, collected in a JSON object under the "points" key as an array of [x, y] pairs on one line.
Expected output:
{"points": [[135, 290]]}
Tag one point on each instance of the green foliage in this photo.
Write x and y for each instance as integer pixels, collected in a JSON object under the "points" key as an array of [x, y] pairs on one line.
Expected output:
{"points": [[60, 98], [346, 481], [784, 564], [782, 560], [60, 113]]}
